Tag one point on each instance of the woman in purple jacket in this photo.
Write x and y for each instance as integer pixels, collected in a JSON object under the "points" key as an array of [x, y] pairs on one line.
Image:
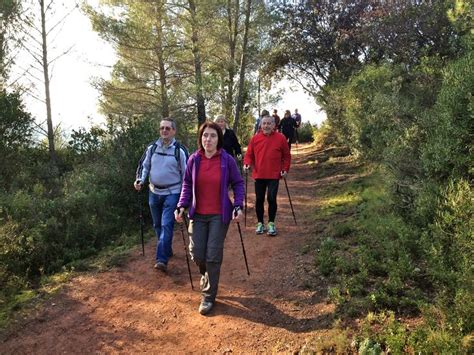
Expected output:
{"points": [[205, 191]]}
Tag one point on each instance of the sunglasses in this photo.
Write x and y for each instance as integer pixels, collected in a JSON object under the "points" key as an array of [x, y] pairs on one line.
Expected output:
{"points": [[165, 128]]}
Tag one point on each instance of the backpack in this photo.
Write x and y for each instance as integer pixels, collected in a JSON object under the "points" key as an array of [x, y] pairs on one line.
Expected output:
{"points": [[177, 154]]}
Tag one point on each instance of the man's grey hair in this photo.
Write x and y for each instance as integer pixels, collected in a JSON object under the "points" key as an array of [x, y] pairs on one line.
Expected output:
{"points": [[169, 119], [268, 116]]}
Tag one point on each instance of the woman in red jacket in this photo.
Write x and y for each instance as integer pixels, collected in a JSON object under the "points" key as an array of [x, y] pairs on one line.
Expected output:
{"points": [[270, 157]]}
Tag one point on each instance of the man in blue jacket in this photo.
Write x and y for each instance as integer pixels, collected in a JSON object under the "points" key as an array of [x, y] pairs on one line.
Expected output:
{"points": [[164, 162]]}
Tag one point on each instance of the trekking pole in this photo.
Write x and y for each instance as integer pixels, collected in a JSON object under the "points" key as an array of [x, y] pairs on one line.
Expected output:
{"points": [[142, 221], [240, 163], [186, 252], [246, 185], [243, 248], [289, 197]]}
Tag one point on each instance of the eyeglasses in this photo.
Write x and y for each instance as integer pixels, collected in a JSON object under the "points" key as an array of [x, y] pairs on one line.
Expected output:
{"points": [[165, 128]]}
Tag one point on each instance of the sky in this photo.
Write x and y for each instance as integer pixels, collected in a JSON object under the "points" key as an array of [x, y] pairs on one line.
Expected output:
{"points": [[75, 101], [297, 98]]}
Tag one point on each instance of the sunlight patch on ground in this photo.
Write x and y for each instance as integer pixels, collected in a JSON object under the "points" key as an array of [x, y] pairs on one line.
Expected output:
{"points": [[338, 203]]}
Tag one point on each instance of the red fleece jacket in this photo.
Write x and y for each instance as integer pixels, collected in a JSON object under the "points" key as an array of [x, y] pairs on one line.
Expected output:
{"points": [[268, 155]]}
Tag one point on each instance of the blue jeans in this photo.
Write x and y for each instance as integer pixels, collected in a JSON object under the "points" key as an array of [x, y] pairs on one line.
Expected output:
{"points": [[162, 211]]}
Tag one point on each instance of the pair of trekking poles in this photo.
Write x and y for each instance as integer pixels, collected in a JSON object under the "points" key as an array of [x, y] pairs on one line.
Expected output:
{"points": [[142, 225], [287, 190]]}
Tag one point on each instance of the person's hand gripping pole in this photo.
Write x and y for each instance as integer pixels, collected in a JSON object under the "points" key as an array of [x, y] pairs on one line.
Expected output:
{"points": [[179, 217]]}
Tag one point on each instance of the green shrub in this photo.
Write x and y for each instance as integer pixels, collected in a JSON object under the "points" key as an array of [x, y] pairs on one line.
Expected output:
{"points": [[448, 150], [325, 136], [305, 133], [449, 244], [325, 258]]}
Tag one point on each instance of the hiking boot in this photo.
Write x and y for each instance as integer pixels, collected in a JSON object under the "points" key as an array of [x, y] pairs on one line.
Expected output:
{"points": [[205, 307], [271, 229], [161, 266], [260, 228]]}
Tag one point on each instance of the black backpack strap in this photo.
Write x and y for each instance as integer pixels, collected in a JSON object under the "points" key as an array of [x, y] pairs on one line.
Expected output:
{"points": [[177, 155]]}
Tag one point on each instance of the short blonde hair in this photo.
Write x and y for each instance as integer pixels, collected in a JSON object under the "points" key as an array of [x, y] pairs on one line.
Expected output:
{"points": [[220, 117]]}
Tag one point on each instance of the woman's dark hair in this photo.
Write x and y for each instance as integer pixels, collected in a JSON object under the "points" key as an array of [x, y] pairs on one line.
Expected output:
{"points": [[213, 125]]}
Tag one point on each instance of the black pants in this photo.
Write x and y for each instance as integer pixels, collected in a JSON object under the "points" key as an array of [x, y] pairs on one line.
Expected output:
{"points": [[261, 186], [289, 139]]}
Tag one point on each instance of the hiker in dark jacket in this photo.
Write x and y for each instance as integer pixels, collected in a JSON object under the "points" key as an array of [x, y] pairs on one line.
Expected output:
{"points": [[165, 168], [231, 144], [276, 118], [210, 172], [287, 127]]}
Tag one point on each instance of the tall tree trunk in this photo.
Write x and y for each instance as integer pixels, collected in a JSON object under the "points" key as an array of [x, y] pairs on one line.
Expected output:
{"points": [[3, 74], [165, 111], [258, 94], [232, 27], [243, 64], [49, 120], [201, 108]]}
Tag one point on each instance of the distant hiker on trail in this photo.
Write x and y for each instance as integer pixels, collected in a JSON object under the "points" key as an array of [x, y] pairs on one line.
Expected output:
{"points": [[269, 156], [276, 118], [210, 171], [231, 144], [297, 117], [164, 161], [287, 127], [259, 120]]}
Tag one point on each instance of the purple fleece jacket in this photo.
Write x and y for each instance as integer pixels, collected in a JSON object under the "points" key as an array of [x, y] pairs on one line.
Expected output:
{"points": [[230, 175]]}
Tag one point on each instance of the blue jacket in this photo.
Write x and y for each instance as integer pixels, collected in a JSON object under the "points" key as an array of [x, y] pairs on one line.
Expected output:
{"points": [[230, 176]]}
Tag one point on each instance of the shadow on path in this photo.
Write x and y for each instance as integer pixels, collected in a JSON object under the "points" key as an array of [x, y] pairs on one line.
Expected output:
{"points": [[258, 310]]}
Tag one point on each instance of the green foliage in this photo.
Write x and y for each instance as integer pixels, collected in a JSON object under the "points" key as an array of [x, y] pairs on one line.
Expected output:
{"points": [[448, 150], [16, 130], [336, 341], [47, 223], [382, 332], [306, 133], [369, 347], [325, 257], [160, 45], [449, 245], [325, 136], [86, 143]]}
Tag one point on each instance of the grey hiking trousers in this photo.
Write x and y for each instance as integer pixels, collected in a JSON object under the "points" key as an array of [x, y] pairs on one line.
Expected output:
{"points": [[206, 246]]}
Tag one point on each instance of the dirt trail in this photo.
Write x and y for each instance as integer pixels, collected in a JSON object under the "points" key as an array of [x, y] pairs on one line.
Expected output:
{"points": [[135, 309]]}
